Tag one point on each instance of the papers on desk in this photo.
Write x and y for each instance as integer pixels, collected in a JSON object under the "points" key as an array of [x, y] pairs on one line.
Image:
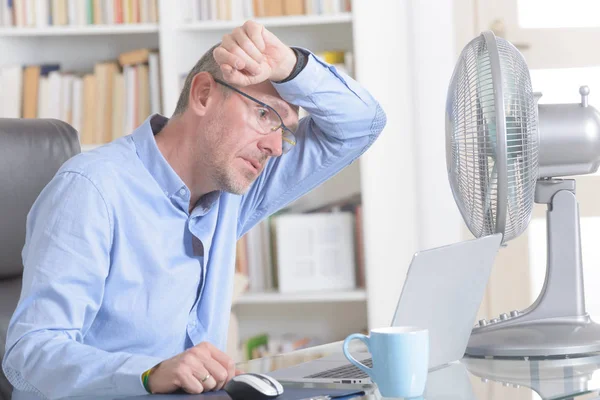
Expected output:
{"points": [[289, 393], [315, 393]]}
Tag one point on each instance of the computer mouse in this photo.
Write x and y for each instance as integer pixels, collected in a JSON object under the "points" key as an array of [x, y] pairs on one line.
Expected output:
{"points": [[250, 386]]}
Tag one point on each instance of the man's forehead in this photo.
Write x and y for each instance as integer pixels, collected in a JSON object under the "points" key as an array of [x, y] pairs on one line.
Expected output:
{"points": [[266, 93], [265, 88]]}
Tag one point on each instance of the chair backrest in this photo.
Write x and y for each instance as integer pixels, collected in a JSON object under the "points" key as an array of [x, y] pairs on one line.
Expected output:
{"points": [[31, 152]]}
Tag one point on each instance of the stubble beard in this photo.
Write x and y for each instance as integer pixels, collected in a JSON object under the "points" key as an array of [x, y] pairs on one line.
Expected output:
{"points": [[230, 180], [224, 174]]}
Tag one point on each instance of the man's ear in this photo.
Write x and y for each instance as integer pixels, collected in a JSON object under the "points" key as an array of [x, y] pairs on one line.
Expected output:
{"points": [[200, 93]]}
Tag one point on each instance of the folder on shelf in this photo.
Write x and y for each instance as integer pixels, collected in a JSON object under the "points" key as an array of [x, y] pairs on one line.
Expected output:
{"points": [[89, 109], [138, 56], [105, 76], [118, 106], [293, 7], [315, 251], [31, 84]]}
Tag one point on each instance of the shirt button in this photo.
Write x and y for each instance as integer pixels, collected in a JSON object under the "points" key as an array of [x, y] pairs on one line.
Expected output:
{"points": [[193, 324], [182, 192]]}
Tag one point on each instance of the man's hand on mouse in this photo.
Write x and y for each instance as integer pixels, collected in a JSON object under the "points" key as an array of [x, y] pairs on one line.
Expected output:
{"points": [[201, 368], [251, 54]]}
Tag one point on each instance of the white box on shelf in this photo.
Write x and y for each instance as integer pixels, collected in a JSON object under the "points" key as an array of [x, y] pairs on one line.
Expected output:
{"points": [[315, 252]]}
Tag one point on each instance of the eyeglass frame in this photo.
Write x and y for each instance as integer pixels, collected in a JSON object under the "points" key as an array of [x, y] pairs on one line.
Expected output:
{"points": [[281, 126]]}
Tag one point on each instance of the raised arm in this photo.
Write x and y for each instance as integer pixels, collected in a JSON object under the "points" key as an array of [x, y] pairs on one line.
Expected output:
{"points": [[344, 118]]}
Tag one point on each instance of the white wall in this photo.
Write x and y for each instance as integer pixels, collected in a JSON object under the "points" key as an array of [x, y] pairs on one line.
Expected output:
{"points": [[433, 58], [387, 169], [466, 26], [404, 56]]}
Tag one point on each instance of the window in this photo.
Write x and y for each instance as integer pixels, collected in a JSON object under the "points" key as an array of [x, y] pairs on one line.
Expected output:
{"points": [[558, 13], [561, 85]]}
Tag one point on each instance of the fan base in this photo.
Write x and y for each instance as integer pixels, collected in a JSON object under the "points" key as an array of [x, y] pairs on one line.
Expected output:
{"points": [[551, 378], [538, 338]]}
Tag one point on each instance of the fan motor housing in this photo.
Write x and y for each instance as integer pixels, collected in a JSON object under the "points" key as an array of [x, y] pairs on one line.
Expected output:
{"points": [[569, 139]]}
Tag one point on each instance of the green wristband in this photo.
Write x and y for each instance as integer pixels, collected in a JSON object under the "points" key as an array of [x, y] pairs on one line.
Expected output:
{"points": [[145, 381], [145, 377]]}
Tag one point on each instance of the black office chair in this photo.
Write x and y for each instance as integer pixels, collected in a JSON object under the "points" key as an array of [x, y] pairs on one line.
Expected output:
{"points": [[31, 151]]}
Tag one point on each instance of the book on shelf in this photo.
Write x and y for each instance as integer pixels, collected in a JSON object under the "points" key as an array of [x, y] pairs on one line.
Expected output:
{"points": [[45, 13], [103, 104], [238, 10], [320, 250]]}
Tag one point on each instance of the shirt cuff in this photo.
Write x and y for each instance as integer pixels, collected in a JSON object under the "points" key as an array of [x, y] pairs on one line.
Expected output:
{"points": [[128, 377], [307, 81]]}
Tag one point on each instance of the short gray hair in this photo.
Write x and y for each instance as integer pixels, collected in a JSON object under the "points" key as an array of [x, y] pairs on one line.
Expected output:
{"points": [[206, 64]]}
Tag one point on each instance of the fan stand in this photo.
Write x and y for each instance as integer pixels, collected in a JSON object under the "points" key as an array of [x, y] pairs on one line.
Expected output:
{"points": [[556, 324]]}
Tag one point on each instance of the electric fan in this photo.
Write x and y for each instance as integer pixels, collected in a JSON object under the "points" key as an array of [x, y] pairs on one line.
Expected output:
{"points": [[504, 152]]}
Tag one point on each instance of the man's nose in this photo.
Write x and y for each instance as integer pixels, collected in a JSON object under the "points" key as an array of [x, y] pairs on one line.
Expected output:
{"points": [[271, 144]]}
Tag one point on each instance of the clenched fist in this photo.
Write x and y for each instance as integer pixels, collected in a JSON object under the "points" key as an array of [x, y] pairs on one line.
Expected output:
{"points": [[251, 54], [199, 369]]}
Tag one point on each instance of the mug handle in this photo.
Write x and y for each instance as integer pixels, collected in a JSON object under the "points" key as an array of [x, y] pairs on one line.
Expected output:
{"points": [[366, 340]]}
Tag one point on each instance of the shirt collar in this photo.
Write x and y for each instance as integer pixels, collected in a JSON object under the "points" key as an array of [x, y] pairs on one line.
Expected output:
{"points": [[162, 172], [152, 158]]}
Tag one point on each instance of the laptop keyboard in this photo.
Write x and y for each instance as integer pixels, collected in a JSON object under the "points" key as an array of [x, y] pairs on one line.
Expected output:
{"points": [[345, 371]]}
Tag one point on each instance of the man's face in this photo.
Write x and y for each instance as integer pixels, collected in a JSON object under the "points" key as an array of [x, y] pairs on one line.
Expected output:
{"points": [[236, 148]]}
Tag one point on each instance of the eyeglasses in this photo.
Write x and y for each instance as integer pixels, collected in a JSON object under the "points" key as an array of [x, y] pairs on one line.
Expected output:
{"points": [[267, 120]]}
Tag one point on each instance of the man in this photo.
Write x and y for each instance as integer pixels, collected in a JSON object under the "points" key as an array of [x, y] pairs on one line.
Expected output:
{"points": [[129, 253]]}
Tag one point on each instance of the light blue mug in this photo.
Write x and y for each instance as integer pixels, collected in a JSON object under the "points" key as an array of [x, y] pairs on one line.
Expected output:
{"points": [[400, 359]]}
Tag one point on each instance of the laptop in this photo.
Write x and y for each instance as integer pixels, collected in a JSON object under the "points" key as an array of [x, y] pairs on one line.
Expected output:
{"points": [[442, 292]]}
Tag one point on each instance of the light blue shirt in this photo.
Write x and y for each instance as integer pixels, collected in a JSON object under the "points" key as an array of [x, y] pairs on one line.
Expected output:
{"points": [[115, 281]]}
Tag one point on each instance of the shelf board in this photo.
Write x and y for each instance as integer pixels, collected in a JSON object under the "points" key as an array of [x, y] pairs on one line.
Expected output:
{"points": [[286, 21], [302, 297], [117, 29]]}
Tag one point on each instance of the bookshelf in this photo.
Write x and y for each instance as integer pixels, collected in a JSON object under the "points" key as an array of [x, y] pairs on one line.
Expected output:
{"points": [[271, 22], [126, 29], [266, 298], [390, 209]]}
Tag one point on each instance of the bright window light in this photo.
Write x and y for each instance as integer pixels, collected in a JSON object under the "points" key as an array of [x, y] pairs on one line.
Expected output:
{"points": [[561, 85], [535, 14]]}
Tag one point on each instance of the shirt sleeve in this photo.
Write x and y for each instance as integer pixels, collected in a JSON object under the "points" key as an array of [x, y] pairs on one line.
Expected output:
{"points": [[66, 261], [344, 120]]}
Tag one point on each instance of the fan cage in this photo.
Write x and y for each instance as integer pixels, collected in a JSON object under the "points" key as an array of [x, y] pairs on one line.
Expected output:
{"points": [[472, 144]]}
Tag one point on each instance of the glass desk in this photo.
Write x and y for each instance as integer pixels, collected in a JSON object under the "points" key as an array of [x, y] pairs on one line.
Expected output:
{"points": [[476, 378], [468, 379]]}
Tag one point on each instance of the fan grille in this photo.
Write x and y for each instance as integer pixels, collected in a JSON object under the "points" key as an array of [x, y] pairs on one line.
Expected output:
{"points": [[471, 139]]}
